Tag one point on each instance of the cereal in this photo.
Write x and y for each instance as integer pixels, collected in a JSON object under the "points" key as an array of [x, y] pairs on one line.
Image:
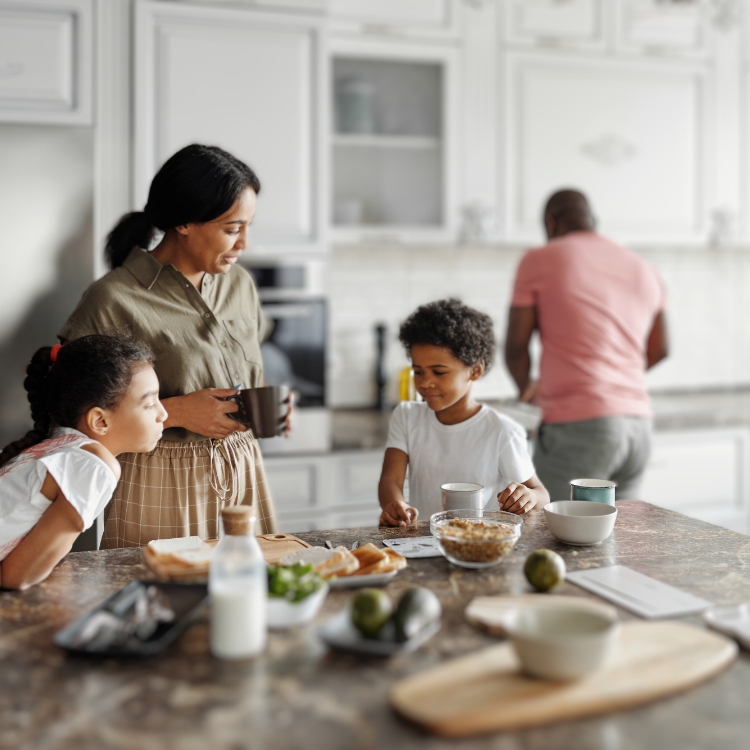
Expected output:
{"points": [[477, 541]]}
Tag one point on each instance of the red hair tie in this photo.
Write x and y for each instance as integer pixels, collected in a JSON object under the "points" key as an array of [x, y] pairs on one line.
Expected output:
{"points": [[54, 352]]}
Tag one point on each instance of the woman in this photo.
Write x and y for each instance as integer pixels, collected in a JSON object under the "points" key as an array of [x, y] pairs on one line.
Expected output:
{"points": [[199, 312]]}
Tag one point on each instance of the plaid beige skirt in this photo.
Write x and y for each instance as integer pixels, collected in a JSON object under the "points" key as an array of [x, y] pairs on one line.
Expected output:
{"points": [[179, 489]]}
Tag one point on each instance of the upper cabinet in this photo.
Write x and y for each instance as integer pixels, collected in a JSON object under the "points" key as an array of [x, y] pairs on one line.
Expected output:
{"points": [[393, 115], [594, 126], [578, 23], [251, 82], [46, 61], [426, 18]]}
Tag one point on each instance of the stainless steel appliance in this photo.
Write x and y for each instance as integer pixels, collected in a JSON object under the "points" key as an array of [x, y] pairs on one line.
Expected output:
{"points": [[293, 298]]}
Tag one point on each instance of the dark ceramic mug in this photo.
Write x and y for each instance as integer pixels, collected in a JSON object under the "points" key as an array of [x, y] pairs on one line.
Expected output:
{"points": [[263, 410]]}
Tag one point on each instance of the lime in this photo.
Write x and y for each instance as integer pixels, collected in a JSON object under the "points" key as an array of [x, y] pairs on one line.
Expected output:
{"points": [[371, 609], [544, 569]]}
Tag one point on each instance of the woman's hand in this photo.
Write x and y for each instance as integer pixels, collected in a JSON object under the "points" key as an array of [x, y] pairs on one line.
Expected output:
{"points": [[204, 412], [398, 514]]}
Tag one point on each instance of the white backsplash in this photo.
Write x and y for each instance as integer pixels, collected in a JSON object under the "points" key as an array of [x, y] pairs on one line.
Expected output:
{"points": [[708, 311]]}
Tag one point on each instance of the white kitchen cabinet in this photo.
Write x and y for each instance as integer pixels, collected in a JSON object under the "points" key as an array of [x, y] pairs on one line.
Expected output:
{"points": [[252, 82], [702, 474], [427, 18], [574, 23], [336, 490], [46, 52], [394, 141], [649, 175], [652, 26]]}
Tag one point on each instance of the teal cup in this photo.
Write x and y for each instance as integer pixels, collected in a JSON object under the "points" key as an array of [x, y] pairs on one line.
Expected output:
{"points": [[593, 490]]}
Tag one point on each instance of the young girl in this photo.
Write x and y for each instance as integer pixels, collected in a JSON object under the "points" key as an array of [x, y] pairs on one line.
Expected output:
{"points": [[450, 437], [91, 400]]}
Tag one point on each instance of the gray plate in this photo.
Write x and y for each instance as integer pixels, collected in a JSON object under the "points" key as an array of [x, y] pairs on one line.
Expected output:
{"points": [[339, 633], [356, 582]]}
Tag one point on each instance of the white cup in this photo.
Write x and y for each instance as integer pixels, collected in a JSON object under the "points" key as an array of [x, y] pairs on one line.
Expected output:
{"points": [[462, 495]]}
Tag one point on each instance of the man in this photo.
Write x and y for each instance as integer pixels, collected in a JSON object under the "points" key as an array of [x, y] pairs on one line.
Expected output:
{"points": [[599, 310]]}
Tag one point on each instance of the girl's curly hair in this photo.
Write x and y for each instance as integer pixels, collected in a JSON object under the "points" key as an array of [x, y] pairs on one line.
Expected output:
{"points": [[448, 323]]}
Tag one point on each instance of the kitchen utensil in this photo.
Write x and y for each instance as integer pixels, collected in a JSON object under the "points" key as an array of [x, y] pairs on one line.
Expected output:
{"points": [[282, 613], [263, 410], [339, 633], [733, 621], [579, 522], [459, 495], [471, 552], [415, 546], [637, 593], [486, 691], [562, 644], [185, 601], [490, 613], [358, 582], [276, 546], [593, 490]]}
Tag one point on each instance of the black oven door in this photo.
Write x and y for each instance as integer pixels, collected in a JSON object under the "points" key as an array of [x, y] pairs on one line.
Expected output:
{"points": [[294, 353]]}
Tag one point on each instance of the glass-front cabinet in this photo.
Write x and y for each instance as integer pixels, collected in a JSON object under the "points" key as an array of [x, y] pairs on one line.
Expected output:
{"points": [[392, 145]]}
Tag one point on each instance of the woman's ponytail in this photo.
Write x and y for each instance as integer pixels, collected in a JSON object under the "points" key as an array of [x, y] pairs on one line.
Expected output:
{"points": [[133, 230], [35, 385]]}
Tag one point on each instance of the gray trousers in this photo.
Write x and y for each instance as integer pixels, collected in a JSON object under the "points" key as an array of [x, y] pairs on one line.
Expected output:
{"points": [[615, 448]]}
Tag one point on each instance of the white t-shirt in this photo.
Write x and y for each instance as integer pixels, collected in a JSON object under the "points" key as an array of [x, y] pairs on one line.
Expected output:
{"points": [[84, 479], [487, 449]]}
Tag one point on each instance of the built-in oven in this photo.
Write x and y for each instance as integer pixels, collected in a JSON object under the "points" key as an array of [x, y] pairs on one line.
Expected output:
{"points": [[293, 299]]}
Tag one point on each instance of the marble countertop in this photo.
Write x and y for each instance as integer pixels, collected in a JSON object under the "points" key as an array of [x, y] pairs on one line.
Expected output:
{"points": [[367, 429], [301, 695]]}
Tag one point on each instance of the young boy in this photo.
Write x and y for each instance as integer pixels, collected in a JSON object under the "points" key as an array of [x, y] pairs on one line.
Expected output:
{"points": [[450, 437]]}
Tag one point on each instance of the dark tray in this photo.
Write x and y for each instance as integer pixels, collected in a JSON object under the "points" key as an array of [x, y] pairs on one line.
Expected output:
{"points": [[186, 600]]}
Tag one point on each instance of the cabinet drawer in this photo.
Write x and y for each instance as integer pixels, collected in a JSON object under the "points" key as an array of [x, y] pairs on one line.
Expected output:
{"points": [[697, 471], [352, 519], [359, 478], [296, 523], [292, 486]]}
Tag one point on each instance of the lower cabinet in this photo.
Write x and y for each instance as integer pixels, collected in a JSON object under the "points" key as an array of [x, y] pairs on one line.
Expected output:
{"points": [[333, 491], [702, 474]]}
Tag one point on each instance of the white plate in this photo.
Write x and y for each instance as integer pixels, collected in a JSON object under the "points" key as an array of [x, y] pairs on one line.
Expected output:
{"points": [[356, 582], [415, 546], [732, 621], [339, 633]]}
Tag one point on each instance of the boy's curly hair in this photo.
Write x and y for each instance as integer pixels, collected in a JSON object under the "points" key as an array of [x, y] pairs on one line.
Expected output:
{"points": [[448, 323]]}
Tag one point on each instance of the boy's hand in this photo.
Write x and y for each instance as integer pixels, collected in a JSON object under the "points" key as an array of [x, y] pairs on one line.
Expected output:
{"points": [[398, 514], [517, 498]]}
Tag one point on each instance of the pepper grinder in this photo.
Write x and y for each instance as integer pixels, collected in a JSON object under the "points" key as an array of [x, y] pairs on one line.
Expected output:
{"points": [[380, 379]]}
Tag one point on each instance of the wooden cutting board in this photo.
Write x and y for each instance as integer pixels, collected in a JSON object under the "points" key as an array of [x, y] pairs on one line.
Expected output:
{"points": [[488, 613], [273, 546], [486, 692], [276, 546]]}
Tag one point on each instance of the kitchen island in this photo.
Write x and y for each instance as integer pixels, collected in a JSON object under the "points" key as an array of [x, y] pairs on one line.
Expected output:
{"points": [[300, 695]]}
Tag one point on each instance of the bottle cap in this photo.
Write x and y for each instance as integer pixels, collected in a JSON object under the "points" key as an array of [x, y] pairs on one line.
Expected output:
{"points": [[238, 520]]}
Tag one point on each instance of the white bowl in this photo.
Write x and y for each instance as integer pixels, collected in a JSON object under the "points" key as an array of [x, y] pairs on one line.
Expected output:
{"points": [[283, 614], [562, 644], [580, 522]]}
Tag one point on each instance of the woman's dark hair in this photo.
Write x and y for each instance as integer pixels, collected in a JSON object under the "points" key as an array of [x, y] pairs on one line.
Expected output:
{"points": [[195, 185], [91, 371], [448, 323]]}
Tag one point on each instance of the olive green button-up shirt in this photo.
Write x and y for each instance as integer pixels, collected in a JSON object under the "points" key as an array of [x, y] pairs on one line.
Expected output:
{"points": [[200, 339]]}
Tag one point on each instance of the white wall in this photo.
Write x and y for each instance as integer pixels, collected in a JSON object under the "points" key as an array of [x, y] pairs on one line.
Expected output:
{"points": [[708, 311], [46, 254]]}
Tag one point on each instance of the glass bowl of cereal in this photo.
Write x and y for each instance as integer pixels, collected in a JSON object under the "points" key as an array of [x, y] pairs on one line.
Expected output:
{"points": [[476, 538]]}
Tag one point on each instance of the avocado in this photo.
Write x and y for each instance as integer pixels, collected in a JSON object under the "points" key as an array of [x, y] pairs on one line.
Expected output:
{"points": [[417, 609]]}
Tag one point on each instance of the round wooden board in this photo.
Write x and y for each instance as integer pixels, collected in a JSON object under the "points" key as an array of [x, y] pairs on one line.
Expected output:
{"points": [[486, 692]]}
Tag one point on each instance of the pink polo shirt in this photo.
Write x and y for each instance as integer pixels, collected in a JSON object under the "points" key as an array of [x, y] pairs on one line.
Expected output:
{"points": [[596, 302]]}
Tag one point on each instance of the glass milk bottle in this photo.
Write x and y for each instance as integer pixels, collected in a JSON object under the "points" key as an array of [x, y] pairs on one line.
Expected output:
{"points": [[238, 585]]}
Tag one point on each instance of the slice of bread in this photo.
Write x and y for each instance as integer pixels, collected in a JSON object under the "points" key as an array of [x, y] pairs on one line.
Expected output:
{"points": [[397, 562], [343, 563], [371, 559]]}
